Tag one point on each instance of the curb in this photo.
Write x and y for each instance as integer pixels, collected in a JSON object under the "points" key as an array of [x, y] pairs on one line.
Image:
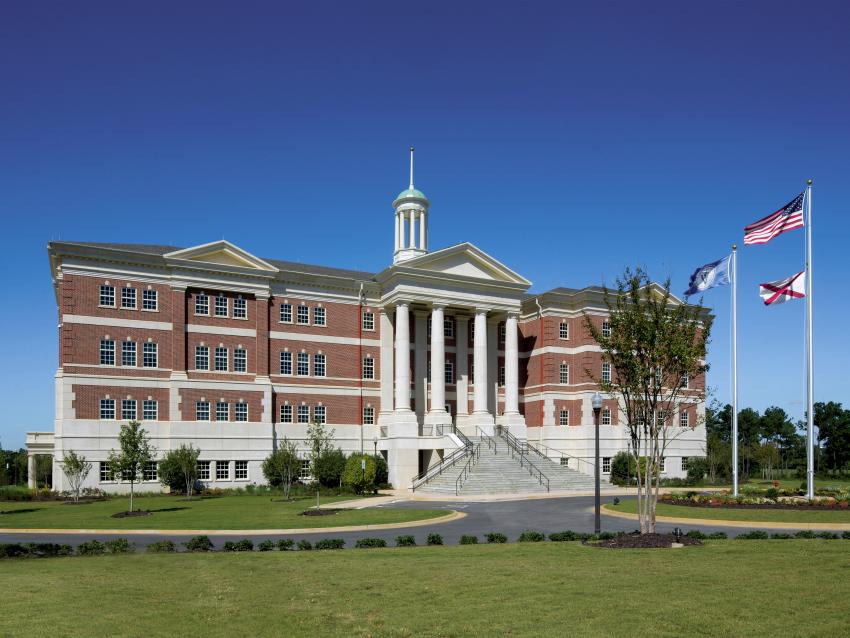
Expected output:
{"points": [[448, 518], [716, 522]]}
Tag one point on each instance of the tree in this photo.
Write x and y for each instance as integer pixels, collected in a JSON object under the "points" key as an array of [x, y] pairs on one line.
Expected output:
{"points": [[320, 441], [281, 467], [749, 432], [654, 345], [833, 423], [179, 468], [356, 476], [136, 451], [76, 468], [329, 468]]}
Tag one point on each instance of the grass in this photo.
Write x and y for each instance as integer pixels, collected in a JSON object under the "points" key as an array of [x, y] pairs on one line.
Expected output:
{"points": [[224, 512], [796, 483], [548, 589], [717, 513]]}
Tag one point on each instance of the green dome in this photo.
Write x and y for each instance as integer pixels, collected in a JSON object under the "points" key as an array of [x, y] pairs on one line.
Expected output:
{"points": [[410, 193]]}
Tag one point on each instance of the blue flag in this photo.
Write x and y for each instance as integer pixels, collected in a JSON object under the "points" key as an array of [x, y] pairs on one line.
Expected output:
{"points": [[714, 274]]}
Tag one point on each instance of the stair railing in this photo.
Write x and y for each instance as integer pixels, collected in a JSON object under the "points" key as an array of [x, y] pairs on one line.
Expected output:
{"points": [[489, 440], [447, 461], [467, 468], [518, 450], [535, 447]]}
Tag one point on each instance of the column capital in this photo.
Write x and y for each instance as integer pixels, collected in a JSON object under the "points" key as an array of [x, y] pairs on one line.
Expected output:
{"points": [[403, 303], [513, 314], [482, 311], [441, 305]]}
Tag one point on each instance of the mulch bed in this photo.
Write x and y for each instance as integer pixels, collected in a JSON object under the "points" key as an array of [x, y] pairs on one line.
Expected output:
{"points": [[643, 541], [755, 506], [131, 514], [320, 512]]}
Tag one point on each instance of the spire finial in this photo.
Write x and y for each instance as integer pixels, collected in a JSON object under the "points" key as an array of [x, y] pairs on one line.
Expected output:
{"points": [[411, 168]]}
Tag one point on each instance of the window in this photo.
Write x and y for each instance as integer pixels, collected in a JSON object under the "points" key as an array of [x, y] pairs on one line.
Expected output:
{"points": [[303, 413], [202, 358], [286, 313], [304, 471], [128, 353], [240, 310], [606, 416], [368, 321], [606, 373], [240, 360], [303, 364], [220, 306], [149, 300], [564, 330], [107, 296], [368, 368], [319, 414], [105, 472], [564, 417], [107, 352], [149, 410], [222, 470], [221, 359], [303, 314], [684, 418], [128, 409], [286, 363], [661, 464], [202, 411], [685, 380], [368, 415], [448, 327], [564, 373], [149, 355], [565, 461], [203, 470], [684, 463], [149, 472], [501, 378], [660, 418], [606, 464], [503, 332], [222, 411], [107, 408], [202, 304], [240, 470], [318, 365], [128, 298], [319, 316], [606, 328], [449, 372], [472, 332], [286, 414], [240, 411], [659, 374]]}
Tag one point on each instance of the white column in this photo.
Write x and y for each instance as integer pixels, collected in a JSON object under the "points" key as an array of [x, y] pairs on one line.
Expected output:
{"points": [[438, 361], [386, 371], [511, 365], [480, 359], [402, 357], [422, 232], [420, 362], [31, 479], [462, 364], [411, 240], [396, 234]]}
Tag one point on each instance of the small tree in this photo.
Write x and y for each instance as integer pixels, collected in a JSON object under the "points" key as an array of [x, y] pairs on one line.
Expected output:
{"points": [[654, 345], [281, 467], [320, 441], [355, 476], [136, 451], [179, 468], [329, 468], [76, 469]]}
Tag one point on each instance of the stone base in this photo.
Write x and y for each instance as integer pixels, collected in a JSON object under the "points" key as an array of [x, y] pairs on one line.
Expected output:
{"points": [[402, 445], [438, 417], [515, 423], [483, 420]]}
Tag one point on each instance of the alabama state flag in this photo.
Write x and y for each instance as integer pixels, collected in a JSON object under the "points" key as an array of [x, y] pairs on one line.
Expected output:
{"points": [[793, 287]]}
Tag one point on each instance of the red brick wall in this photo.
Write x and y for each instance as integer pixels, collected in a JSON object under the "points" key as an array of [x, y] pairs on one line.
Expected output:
{"points": [[188, 398], [80, 295], [339, 409], [87, 399]]}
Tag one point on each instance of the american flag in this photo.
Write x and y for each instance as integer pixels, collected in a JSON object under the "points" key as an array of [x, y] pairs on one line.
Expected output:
{"points": [[788, 217]]}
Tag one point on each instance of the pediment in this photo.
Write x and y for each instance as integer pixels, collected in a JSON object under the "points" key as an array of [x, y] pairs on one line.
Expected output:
{"points": [[221, 253], [466, 260]]}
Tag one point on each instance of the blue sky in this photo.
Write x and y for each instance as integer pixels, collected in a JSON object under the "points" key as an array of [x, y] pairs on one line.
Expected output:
{"points": [[566, 140]]}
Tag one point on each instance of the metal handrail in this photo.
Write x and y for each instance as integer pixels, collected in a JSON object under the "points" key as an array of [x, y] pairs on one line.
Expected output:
{"points": [[533, 447], [446, 462], [516, 447], [489, 440], [464, 473]]}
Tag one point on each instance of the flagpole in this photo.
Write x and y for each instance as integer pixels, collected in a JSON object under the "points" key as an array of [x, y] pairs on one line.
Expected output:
{"points": [[810, 417], [734, 370]]}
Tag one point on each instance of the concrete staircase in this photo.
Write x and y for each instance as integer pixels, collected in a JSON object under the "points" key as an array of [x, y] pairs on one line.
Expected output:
{"points": [[500, 473]]}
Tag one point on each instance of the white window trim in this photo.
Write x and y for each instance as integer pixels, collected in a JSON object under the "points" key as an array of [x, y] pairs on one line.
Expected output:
{"points": [[363, 320], [291, 314], [195, 305], [135, 305], [100, 295]]}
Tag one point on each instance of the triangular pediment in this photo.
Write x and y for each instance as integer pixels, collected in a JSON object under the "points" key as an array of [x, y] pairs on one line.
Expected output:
{"points": [[466, 260], [221, 253]]}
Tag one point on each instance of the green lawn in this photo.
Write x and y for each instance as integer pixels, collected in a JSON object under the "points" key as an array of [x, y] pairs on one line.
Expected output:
{"points": [[796, 483], [716, 513], [726, 588], [225, 512]]}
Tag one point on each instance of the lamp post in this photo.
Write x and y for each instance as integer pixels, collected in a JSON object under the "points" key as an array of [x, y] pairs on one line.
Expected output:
{"points": [[375, 446], [596, 402]]}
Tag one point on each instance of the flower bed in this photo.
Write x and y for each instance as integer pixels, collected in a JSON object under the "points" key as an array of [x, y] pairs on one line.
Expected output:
{"points": [[757, 500]]}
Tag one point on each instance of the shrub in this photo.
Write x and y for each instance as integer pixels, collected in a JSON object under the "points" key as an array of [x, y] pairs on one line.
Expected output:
{"points": [[407, 540], [91, 548], [355, 477], [120, 546], [382, 472], [804, 533], [845, 535], [12, 550], [43, 550], [695, 533], [827, 535], [622, 468], [245, 545], [65, 550], [365, 543], [199, 544], [330, 543], [716, 536], [162, 547], [329, 468], [560, 537], [756, 534], [496, 537], [780, 535], [531, 536], [468, 539], [434, 539], [305, 545], [697, 469], [285, 544], [772, 493], [266, 546]]}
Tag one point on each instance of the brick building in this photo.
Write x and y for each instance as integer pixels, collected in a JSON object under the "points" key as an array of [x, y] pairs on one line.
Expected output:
{"points": [[213, 346]]}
